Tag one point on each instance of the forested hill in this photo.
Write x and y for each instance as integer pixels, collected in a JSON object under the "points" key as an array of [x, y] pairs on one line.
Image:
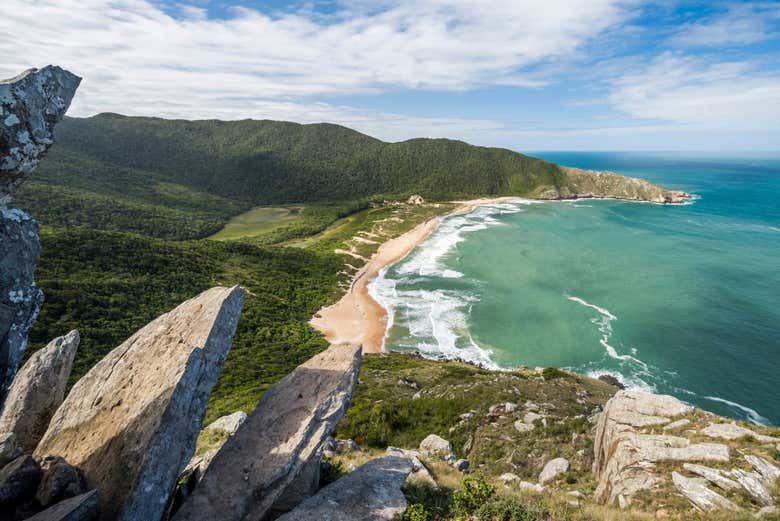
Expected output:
{"points": [[184, 179]]}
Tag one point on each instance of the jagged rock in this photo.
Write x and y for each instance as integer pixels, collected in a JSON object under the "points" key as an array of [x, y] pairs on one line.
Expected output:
{"points": [[31, 104], [677, 424], [436, 445], [229, 423], [8, 449], [702, 497], [768, 470], [130, 424], [732, 431], [625, 458], [714, 476], [553, 469], [611, 380], [59, 481], [38, 390], [283, 433], [18, 480], [753, 485], [79, 508], [584, 184], [372, 492]]}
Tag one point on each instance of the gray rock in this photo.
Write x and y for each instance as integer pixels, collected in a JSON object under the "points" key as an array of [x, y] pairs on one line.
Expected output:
{"points": [[79, 508], [420, 474], [284, 432], [18, 481], [768, 470], [130, 424], [229, 423], [31, 104], [38, 390], [523, 427], [304, 486], [533, 488], [8, 449], [59, 481], [461, 465], [753, 485], [732, 431], [677, 424], [714, 476], [697, 493], [553, 469], [370, 493], [436, 445]]}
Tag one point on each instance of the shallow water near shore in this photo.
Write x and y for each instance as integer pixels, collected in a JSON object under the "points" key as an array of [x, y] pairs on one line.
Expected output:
{"points": [[673, 299]]}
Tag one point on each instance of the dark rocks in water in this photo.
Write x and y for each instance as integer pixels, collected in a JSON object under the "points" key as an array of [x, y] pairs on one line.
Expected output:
{"points": [[130, 424], [38, 390], [612, 380]]}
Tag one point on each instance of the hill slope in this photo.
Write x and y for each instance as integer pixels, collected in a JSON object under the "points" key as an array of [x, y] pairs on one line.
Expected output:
{"points": [[183, 179]]}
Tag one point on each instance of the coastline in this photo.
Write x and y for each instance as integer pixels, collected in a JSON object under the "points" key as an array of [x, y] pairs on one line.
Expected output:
{"points": [[357, 318]]}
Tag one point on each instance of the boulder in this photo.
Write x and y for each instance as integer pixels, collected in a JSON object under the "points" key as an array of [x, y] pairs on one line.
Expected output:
{"points": [[533, 488], [508, 477], [696, 491], [80, 508], [625, 456], [59, 481], [714, 476], [612, 380], [370, 493], [286, 429], [420, 474], [31, 104], [130, 424], [753, 484], [8, 449], [523, 427], [767, 469], [461, 465], [229, 423], [38, 390], [553, 469], [305, 485], [732, 431], [436, 445], [18, 481]]}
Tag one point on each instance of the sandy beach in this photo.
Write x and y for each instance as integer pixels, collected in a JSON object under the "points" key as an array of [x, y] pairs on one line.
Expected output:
{"points": [[359, 319]]}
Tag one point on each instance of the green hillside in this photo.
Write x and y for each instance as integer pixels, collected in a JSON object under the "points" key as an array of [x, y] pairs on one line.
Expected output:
{"points": [[184, 179]]}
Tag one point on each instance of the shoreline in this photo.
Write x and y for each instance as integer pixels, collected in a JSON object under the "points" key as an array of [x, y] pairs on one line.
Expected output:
{"points": [[357, 318]]}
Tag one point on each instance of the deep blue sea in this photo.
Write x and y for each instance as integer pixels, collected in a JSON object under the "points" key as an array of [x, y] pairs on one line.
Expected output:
{"points": [[683, 300]]}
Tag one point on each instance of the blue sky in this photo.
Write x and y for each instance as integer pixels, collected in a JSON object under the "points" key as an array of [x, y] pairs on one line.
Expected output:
{"points": [[522, 74]]}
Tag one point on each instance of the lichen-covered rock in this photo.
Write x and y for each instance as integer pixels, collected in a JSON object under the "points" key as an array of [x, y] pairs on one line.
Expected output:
{"points": [[20, 298], [254, 467], [38, 390], [31, 104], [131, 422], [372, 492], [80, 508]]}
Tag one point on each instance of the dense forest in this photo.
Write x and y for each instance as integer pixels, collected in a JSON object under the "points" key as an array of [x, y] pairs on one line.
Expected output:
{"points": [[183, 179]]}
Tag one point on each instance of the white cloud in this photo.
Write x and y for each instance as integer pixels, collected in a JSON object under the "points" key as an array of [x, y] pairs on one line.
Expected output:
{"points": [[136, 59], [721, 96], [741, 24]]}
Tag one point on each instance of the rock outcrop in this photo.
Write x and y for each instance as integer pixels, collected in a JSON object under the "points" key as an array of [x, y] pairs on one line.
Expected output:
{"points": [[31, 104], [130, 424], [372, 492], [584, 184], [80, 508], [273, 446], [38, 390]]}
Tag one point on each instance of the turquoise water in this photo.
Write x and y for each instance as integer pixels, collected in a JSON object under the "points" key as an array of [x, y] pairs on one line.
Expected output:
{"points": [[674, 299]]}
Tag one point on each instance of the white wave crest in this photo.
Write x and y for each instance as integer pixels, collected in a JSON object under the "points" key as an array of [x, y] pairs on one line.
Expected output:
{"points": [[752, 415]]}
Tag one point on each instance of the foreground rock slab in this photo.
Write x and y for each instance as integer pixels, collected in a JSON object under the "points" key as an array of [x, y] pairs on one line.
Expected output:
{"points": [[38, 390], [131, 422], [696, 491], [80, 508], [370, 493], [251, 471]]}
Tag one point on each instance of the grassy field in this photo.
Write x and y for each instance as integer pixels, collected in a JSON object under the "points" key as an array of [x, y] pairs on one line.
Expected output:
{"points": [[258, 221]]}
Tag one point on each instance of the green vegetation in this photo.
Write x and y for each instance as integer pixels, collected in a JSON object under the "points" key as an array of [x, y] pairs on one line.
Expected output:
{"points": [[258, 221], [185, 179]]}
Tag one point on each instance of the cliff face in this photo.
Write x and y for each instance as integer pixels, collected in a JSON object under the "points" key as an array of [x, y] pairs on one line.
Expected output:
{"points": [[31, 104], [583, 184]]}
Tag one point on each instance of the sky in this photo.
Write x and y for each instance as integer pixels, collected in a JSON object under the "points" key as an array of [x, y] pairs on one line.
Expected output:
{"points": [[520, 74]]}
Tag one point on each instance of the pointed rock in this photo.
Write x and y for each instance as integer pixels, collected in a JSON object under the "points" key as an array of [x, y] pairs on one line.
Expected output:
{"points": [[38, 390], [131, 422], [714, 476], [372, 492], [79, 508], [275, 443], [753, 485], [702, 497], [768, 470]]}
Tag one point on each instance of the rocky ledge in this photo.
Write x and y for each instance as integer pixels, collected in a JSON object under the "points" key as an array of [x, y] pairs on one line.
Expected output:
{"points": [[587, 184]]}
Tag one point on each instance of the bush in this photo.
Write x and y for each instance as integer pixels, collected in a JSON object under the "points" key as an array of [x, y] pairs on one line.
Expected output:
{"points": [[504, 510], [417, 512], [476, 492]]}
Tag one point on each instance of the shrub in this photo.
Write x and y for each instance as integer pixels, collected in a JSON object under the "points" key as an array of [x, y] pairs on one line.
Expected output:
{"points": [[474, 494]]}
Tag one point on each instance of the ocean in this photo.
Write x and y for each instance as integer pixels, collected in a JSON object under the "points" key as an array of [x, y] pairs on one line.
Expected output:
{"points": [[680, 300]]}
